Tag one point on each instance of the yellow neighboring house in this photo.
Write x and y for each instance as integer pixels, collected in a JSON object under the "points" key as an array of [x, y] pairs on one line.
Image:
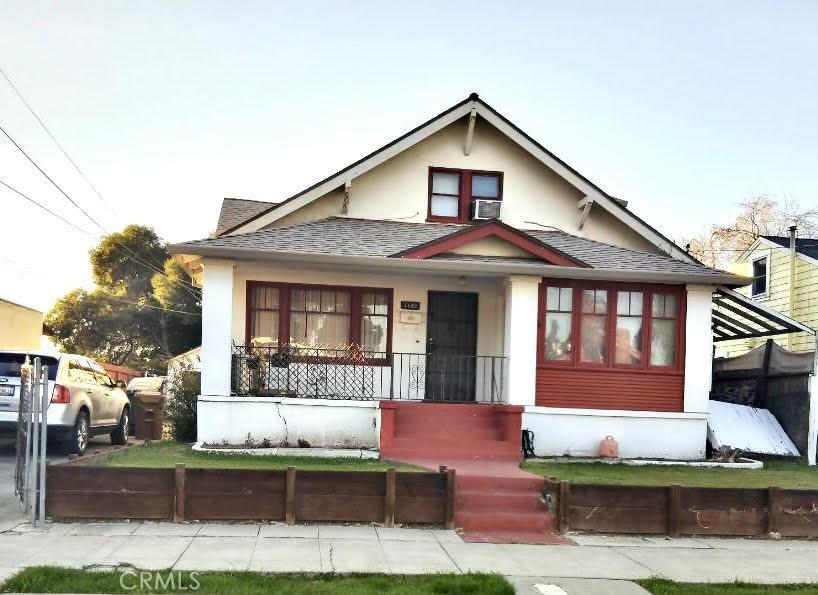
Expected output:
{"points": [[785, 278], [20, 327]]}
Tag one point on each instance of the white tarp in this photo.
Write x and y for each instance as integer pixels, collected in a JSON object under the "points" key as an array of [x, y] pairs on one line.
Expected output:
{"points": [[748, 428]]}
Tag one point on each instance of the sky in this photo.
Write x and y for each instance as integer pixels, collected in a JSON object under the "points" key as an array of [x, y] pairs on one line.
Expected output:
{"points": [[683, 108]]}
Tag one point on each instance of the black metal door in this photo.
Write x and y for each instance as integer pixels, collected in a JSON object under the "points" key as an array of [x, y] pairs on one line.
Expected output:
{"points": [[451, 346]]}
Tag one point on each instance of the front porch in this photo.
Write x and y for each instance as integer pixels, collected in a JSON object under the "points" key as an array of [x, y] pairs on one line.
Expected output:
{"points": [[354, 374]]}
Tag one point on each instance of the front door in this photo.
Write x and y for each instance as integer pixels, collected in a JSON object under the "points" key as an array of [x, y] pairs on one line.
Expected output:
{"points": [[451, 346]]}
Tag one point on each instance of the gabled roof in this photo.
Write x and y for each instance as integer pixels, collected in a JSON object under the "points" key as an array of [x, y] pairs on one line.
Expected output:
{"points": [[493, 228], [345, 240], [237, 210], [471, 105], [805, 246]]}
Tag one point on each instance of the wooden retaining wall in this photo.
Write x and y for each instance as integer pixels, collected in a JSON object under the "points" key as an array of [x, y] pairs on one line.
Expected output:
{"points": [[679, 510], [388, 497]]}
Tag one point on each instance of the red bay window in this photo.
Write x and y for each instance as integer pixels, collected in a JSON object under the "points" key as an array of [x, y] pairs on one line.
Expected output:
{"points": [[611, 326]]}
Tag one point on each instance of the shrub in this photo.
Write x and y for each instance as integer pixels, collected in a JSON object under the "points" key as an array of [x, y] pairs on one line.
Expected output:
{"points": [[184, 387]]}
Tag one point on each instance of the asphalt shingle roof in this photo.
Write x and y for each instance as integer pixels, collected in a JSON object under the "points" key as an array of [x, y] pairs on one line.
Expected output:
{"points": [[364, 237], [238, 210], [806, 246]]}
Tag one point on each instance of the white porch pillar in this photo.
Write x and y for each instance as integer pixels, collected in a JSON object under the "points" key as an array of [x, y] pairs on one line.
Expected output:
{"points": [[217, 326], [522, 297], [698, 349]]}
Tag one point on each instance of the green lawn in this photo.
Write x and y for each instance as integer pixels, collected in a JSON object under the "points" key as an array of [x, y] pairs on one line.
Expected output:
{"points": [[168, 454], [665, 587], [50, 579], [779, 473]]}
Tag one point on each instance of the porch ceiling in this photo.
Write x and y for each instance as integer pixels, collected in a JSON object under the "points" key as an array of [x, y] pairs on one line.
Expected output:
{"points": [[735, 316]]}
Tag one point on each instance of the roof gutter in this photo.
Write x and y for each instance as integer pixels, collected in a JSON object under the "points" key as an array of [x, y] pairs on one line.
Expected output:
{"points": [[450, 266]]}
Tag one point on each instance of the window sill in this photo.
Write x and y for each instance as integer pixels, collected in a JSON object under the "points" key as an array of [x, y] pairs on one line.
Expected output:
{"points": [[456, 220]]}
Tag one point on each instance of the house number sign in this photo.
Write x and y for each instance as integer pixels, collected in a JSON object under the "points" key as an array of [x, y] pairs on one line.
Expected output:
{"points": [[414, 306]]}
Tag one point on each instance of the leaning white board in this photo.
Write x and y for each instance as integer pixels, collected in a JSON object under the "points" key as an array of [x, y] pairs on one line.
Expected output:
{"points": [[747, 428]]}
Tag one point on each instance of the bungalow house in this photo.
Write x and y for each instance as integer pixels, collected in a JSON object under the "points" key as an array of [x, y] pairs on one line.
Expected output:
{"points": [[449, 289], [785, 278]]}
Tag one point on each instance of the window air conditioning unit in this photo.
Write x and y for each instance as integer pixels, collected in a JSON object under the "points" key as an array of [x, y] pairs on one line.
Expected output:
{"points": [[485, 209]]}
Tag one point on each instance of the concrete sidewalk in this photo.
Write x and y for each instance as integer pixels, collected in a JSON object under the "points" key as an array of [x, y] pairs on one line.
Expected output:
{"points": [[332, 548]]}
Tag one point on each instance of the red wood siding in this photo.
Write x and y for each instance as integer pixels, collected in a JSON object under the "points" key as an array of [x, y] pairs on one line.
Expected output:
{"points": [[609, 389]]}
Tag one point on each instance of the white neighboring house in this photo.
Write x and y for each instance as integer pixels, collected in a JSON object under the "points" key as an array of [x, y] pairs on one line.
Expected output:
{"points": [[461, 265]]}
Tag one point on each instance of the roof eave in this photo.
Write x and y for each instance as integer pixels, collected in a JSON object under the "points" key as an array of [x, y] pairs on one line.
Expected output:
{"points": [[457, 266]]}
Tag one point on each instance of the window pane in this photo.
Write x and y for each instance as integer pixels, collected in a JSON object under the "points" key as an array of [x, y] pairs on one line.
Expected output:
{"points": [[445, 183], [327, 301], [565, 299], [485, 186], [552, 298], [264, 328], [663, 343], [313, 300], [445, 206], [759, 276], [670, 306], [297, 300], [593, 333], [557, 336], [373, 333], [628, 339], [658, 307], [298, 329], [342, 299], [588, 300], [328, 331], [629, 303]]}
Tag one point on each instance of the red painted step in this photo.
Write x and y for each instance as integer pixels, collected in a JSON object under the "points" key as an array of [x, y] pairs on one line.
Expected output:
{"points": [[504, 521], [500, 500], [494, 482]]}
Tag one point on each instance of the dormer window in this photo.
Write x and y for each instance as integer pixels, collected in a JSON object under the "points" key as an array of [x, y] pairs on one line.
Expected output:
{"points": [[453, 192]]}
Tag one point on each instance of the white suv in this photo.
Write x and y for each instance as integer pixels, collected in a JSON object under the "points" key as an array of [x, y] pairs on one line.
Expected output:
{"points": [[84, 400]]}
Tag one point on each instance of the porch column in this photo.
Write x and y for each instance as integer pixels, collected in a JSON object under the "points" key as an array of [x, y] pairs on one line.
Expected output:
{"points": [[520, 345], [698, 349], [217, 326]]}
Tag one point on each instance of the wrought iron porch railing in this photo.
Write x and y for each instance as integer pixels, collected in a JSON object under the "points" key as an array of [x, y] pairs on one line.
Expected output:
{"points": [[351, 373]]}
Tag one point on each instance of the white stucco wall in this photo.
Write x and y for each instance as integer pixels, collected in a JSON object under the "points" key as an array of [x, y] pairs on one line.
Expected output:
{"points": [[522, 303], [399, 188], [698, 349], [217, 308], [322, 423], [640, 434]]}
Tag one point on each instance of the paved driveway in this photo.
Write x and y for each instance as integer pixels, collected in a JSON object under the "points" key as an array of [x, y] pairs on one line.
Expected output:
{"points": [[10, 512]]}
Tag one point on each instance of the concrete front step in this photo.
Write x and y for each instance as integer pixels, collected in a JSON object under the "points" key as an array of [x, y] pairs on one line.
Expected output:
{"points": [[505, 521]]}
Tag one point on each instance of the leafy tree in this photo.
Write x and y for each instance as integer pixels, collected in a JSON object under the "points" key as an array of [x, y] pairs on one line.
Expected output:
{"points": [[135, 316], [759, 216], [183, 390]]}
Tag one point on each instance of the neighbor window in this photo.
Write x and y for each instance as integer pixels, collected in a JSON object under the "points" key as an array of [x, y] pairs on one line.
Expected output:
{"points": [[759, 286], [451, 192], [318, 317], [615, 325]]}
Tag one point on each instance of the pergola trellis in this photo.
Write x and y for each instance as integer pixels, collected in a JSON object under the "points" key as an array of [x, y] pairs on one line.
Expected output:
{"points": [[735, 316]]}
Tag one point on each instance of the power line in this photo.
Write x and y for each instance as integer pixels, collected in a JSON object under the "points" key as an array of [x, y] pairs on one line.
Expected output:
{"points": [[53, 183], [56, 142], [110, 297], [192, 291], [47, 210]]}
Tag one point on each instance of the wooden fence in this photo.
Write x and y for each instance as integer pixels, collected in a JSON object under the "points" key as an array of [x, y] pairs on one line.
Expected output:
{"points": [[80, 492], [678, 510]]}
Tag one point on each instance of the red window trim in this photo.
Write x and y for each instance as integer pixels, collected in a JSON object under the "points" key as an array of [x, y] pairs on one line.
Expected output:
{"points": [[464, 209], [355, 314], [610, 366]]}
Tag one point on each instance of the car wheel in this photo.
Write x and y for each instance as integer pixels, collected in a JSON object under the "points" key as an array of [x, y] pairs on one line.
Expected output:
{"points": [[120, 435], [81, 433]]}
